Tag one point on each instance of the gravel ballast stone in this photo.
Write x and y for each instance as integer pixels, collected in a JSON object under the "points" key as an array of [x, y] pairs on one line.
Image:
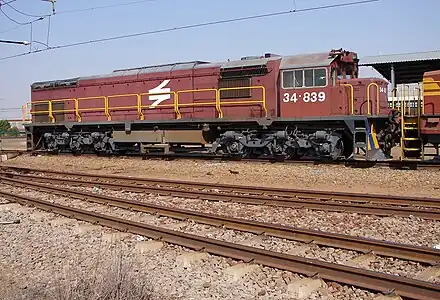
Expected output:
{"points": [[328, 254], [380, 180], [38, 252]]}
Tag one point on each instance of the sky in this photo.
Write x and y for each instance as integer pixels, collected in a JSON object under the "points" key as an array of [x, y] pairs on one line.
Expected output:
{"points": [[383, 27]]}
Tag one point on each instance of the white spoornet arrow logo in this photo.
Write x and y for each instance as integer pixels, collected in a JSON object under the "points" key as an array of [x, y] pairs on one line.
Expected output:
{"points": [[159, 90]]}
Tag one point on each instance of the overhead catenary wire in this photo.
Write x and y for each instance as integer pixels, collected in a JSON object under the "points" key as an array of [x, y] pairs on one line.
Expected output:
{"points": [[11, 19], [20, 12], [74, 11], [39, 18], [102, 7], [197, 25], [9, 2]]}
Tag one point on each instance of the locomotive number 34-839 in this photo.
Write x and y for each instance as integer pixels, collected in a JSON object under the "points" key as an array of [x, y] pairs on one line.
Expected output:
{"points": [[306, 97]]}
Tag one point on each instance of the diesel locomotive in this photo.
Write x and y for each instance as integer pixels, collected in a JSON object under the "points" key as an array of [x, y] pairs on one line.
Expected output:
{"points": [[289, 107]]}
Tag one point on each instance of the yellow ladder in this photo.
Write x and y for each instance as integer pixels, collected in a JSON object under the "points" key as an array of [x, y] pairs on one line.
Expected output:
{"points": [[410, 141]]}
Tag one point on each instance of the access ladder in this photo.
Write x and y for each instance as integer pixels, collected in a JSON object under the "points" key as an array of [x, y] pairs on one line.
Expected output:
{"points": [[409, 106]]}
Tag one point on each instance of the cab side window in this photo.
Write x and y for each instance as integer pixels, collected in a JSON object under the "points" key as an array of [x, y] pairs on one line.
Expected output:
{"points": [[320, 77], [304, 78]]}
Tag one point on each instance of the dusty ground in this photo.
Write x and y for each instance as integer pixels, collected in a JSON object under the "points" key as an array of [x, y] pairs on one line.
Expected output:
{"points": [[334, 178]]}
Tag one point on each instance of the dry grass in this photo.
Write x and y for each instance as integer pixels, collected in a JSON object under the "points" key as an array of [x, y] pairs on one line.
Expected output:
{"points": [[109, 278]]}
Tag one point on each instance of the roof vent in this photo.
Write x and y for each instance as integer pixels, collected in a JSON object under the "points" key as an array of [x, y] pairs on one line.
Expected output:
{"points": [[267, 55], [251, 57]]}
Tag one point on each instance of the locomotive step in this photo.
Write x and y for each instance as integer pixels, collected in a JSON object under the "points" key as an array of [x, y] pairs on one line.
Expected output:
{"points": [[411, 138], [411, 149]]}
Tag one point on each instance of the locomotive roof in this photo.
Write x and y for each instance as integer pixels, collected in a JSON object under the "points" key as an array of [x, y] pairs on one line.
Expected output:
{"points": [[287, 62]]}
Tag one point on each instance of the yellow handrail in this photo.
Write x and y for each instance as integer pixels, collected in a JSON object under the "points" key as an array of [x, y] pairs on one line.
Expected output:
{"points": [[48, 111], [78, 116], [105, 108], [74, 110], [139, 105], [351, 101], [263, 101], [403, 102], [196, 104], [377, 98], [417, 99], [174, 105], [28, 108], [393, 92], [217, 104]]}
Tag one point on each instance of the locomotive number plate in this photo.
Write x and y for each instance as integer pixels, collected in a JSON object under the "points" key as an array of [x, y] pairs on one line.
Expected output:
{"points": [[306, 97]]}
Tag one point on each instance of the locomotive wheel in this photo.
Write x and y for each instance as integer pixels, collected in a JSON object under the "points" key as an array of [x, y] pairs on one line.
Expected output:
{"points": [[338, 150], [246, 152], [285, 152]]}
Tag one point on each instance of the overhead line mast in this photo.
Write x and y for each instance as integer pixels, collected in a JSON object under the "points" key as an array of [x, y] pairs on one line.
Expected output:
{"points": [[53, 5]]}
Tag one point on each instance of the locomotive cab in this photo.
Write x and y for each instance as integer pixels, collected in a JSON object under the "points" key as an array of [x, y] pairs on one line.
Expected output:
{"points": [[329, 84]]}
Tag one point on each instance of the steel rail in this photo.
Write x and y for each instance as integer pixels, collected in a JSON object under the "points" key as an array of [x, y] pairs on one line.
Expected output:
{"points": [[297, 203], [392, 164], [252, 190], [407, 252], [380, 282]]}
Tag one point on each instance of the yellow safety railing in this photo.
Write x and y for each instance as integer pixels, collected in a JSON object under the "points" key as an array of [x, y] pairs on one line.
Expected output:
{"points": [[42, 112], [196, 103], [411, 101], [79, 110], [351, 101], [403, 99], [74, 110], [174, 105], [26, 111], [418, 99], [369, 99], [263, 101], [139, 104], [393, 95]]}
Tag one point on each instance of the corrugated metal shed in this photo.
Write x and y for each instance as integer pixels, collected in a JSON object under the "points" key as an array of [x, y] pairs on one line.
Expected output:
{"points": [[408, 67], [402, 57]]}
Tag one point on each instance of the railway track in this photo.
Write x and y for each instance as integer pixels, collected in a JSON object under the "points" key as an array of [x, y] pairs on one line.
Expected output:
{"points": [[384, 283], [393, 164], [414, 253], [382, 205]]}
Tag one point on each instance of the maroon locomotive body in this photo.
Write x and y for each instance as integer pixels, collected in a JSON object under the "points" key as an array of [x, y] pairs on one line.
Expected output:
{"points": [[285, 105], [430, 110]]}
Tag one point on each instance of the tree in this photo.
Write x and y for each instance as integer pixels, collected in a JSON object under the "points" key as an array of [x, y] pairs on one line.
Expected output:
{"points": [[4, 126], [14, 131]]}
